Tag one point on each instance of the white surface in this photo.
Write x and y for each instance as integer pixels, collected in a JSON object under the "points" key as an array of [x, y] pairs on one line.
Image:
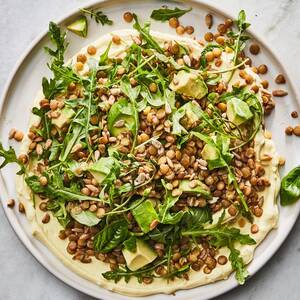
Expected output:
{"points": [[24, 21]]}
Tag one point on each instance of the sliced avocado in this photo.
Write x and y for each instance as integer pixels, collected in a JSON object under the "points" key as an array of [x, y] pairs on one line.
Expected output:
{"points": [[79, 27], [121, 110], [143, 256], [238, 111], [197, 187], [115, 131], [189, 84], [209, 152], [101, 168], [66, 114]]}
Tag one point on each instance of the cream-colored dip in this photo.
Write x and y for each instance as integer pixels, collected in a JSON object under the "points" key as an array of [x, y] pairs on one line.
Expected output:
{"points": [[48, 233]]}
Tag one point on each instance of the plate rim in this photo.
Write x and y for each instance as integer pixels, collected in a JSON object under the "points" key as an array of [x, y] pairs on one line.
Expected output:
{"points": [[22, 235]]}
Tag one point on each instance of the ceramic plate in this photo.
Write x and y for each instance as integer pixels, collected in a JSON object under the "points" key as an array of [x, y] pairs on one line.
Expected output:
{"points": [[25, 81]]}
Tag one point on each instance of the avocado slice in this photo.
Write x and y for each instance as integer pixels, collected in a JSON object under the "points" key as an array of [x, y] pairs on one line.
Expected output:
{"points": [[143, 256], [199, 187], [121, 110], [238, 111], [209, 152], [102, 168], [79, 27], [189, 84], [66, 114]]}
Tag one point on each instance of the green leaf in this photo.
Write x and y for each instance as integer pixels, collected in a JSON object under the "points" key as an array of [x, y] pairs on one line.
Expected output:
{"points": [[70, 140], [144, 214], [58, 38], [177, 128], [10, 157], [196, 217], [111, 236], [86, 217], [290, 187], [98, 16], [146, 36], [55, 189], [130, 244], [164, 14], [46, 123], [104, 56], [59, 211], [164, 215], [238, 265]]}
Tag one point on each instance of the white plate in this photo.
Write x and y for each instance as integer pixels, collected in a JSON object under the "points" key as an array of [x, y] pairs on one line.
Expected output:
{"points": [[25, 81]]}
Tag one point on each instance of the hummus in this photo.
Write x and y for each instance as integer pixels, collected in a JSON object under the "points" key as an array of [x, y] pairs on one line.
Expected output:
{"points": [[48, 233]]}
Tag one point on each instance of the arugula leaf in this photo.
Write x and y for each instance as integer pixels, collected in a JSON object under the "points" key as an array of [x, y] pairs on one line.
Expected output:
{"points": [[130, 244], [51, 87], [86, 217], [111, 236], [221, 235], [196, 217], [53, 190], [132, 94], [144, 214], [161, 233], [59, 211], [238, 265], [70, 140], [225, 236], [164, 14], [239, 37], [58, 38], [104, 56], [10, 157], [177, 128], [119, 273], [290, 187], [98, 16], [46, 123], [145, 34], [164, 214]]}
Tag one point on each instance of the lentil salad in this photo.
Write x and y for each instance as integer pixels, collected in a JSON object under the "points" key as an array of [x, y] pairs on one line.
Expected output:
{"points": [[126, 157]]}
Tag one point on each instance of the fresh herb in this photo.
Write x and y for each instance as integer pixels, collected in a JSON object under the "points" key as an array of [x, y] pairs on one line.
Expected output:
{"points": [[239, 37], [145, 215], [164, 14], [225, 236], [290, 187], [55, 189], [59, 211], [58, 38], [130, 244], [98, 16], [86, 217], [119, 273], [164, 215], [146, 36], [238, 265], [10, 157], [111, 236]]}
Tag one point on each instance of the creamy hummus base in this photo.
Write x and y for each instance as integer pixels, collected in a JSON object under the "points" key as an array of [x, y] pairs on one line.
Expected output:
{"points": [[48, 233]]}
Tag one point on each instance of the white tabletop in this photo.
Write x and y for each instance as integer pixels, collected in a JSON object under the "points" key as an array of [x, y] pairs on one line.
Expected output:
{"points": [[21, 276]]}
